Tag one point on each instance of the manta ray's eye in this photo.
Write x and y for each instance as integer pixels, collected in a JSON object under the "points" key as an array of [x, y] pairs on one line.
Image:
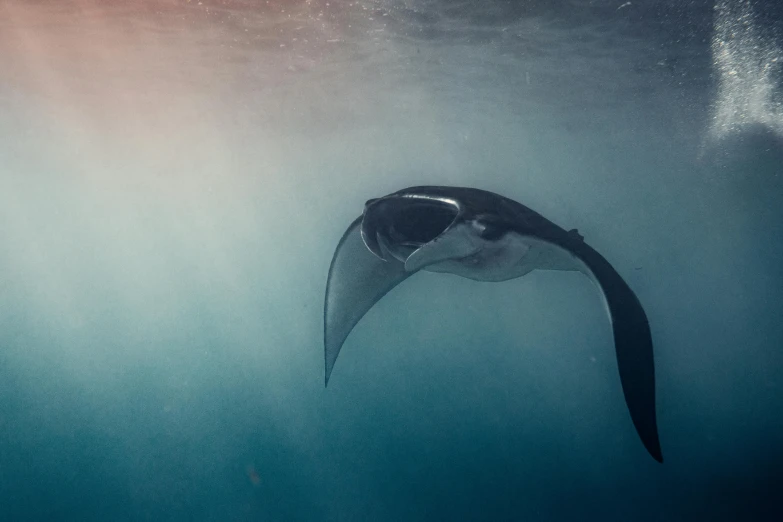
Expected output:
{"points": [[492, 232], [490, 229]]}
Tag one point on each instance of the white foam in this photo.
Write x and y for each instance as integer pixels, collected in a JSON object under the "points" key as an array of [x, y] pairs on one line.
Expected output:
{"points": [[748, 65]]}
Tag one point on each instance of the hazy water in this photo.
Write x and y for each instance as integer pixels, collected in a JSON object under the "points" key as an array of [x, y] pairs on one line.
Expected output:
{"points": [[174, 177]]}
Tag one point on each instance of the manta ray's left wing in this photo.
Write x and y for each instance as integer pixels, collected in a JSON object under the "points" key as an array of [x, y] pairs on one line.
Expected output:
{"points": [[357, 280]]}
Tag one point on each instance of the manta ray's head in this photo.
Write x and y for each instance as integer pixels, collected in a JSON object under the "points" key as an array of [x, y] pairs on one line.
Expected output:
{"points": [[441, 234], [398, 225]]}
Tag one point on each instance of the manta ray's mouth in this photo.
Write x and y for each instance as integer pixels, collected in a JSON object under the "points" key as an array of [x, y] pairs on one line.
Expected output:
{"points": [[402, 224]]}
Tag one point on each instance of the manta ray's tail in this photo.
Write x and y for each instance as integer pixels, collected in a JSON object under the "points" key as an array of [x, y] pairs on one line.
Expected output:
{"points": [[633, 344]]}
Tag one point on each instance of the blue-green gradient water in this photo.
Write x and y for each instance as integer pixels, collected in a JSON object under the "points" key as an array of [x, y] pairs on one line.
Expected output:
{"points": [[175, 176]]}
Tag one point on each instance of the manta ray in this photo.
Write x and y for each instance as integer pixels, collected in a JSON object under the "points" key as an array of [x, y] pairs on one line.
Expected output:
{"points": [[482, 236]]}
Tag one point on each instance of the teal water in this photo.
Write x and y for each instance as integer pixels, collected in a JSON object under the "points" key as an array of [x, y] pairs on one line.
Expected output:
{"points": [[175, 176]]}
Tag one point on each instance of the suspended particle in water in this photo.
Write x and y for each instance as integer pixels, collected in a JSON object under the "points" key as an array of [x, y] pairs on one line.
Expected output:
{"points": [[252, 474]]}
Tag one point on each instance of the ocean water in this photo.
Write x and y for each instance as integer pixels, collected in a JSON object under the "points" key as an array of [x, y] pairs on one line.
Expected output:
{"points": [[175, 176]]}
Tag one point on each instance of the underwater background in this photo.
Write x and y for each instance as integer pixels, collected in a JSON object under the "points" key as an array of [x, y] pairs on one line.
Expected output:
{"points": [[175, 176]]}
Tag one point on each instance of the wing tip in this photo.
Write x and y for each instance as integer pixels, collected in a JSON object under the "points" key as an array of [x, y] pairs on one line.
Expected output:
{"points": [[327, 371], [654, 449]]}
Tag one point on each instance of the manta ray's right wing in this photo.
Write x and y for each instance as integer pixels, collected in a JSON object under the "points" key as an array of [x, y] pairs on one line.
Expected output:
{"points": [[357, 280], [633, 345]]}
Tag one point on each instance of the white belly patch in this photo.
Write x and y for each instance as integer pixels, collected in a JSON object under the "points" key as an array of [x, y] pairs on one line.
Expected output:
{"points": [[466, 254]]}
